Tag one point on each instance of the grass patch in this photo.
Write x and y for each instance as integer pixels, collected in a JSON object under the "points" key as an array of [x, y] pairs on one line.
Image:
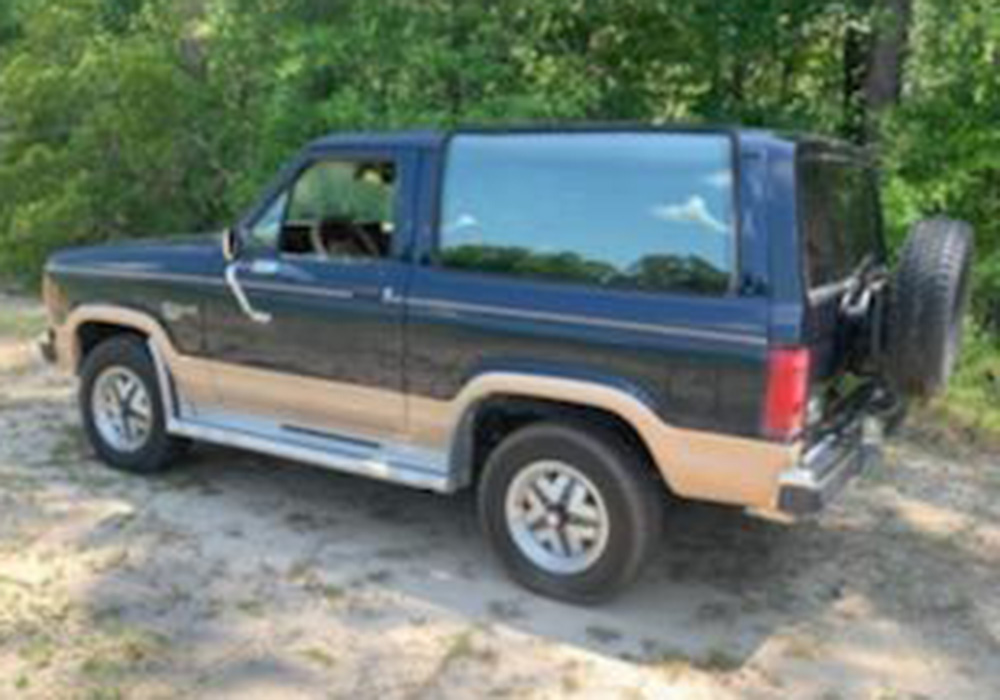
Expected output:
{"points": [[718, 661], [969, 412], [673, 664], [68, 447], [332, 593], [463, 646], [320, 657], [125, 651], [252, 607], [120, 657], [804, 648], [38, 652], [21, 323]]}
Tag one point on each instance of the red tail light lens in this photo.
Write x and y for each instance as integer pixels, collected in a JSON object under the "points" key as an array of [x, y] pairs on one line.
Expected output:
{"points": [[787, 392]]}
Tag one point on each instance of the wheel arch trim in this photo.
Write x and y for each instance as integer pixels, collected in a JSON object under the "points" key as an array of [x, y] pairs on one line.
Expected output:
{"points": [[68, 337], [188, 374], [693, 463]]}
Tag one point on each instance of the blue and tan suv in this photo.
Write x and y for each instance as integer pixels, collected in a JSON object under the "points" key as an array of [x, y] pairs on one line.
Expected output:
{"points": [[574, 322]]}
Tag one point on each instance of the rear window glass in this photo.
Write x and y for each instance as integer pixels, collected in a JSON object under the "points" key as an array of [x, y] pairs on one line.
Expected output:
{"points": [[840, 217], [647, 211]]}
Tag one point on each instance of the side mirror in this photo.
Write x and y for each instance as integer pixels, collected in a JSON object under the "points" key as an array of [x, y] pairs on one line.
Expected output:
{"points": [[232, 244]]}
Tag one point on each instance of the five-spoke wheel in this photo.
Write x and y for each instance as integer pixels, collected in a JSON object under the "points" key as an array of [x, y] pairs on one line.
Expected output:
{"points": [[122, 409], [573, 510], [557, 517]]}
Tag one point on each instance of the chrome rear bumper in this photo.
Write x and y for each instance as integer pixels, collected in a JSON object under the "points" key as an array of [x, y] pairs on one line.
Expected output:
{"points": [[826, 467]]}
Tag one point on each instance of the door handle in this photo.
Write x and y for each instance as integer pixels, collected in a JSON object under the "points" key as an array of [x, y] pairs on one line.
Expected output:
{"points": [[241, 298], [265, 268], [385, 295]]}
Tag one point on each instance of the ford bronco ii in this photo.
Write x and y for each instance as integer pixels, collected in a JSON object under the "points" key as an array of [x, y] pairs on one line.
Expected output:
{"points": [[574, 322]]}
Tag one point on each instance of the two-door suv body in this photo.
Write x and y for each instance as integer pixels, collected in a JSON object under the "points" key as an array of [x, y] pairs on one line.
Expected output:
{"points": [[576, 322]]}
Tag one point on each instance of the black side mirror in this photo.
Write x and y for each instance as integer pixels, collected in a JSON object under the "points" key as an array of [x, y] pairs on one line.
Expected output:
{"points": [[232, 244]]}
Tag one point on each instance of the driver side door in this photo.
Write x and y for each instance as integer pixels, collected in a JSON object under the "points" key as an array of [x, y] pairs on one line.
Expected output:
{"points": [[321, 351]]}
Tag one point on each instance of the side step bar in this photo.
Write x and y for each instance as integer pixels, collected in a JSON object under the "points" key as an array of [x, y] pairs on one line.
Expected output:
{"points": [[332, 456], [396, 463]]}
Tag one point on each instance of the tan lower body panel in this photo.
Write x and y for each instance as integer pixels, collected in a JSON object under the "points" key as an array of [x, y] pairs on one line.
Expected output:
{"points": [[695, 464], [307, 401]]}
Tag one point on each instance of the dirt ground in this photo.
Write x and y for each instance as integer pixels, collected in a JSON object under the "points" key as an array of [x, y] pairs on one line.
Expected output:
{"points": [[236, 576]]}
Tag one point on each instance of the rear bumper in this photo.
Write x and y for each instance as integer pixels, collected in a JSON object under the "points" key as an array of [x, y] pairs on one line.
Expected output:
{"points": [[826, 467]]}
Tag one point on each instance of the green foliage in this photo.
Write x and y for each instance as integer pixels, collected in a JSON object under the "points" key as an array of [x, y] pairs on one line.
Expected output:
{"points": [[133, 117], [942, 143], [972, 402]]}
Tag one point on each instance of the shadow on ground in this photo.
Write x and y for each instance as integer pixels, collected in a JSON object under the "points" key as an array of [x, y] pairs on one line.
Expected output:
{"points": [[244, 573]]}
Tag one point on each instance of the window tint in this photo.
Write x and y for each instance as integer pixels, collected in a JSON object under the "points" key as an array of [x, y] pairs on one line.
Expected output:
{"points": [[840, 217], [334, 210], [648, 211]]}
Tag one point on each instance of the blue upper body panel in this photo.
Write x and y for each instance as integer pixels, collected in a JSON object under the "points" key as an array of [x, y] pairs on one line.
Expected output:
{"points": [[699, 361]]}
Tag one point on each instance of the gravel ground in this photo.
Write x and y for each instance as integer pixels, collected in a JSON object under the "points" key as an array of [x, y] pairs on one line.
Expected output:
{"points": [[245, 577]]}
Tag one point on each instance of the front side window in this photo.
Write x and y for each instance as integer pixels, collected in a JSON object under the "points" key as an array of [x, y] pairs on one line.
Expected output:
{"points": [[264, 233], [334, 210], [641, 211]]}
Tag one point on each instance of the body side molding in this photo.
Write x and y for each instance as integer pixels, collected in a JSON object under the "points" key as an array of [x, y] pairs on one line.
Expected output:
{"points": [[695, 464]]}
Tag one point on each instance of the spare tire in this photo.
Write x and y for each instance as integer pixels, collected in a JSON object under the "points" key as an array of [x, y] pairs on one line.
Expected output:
{"points": [[928, 295]]}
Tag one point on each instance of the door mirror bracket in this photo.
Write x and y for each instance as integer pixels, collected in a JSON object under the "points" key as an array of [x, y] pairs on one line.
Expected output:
{"points": [[232, 244]]}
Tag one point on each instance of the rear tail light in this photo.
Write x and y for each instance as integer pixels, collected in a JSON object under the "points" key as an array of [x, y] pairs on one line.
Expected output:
{"points": [[787, 392]]}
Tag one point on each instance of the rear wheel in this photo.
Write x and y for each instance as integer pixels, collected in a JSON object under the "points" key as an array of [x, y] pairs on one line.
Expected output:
{"points": [[930, 292], [122, 407], [572, 511]]}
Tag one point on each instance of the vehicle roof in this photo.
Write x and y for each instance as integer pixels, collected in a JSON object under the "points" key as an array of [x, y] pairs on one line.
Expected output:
{"points": [[435, 137]]}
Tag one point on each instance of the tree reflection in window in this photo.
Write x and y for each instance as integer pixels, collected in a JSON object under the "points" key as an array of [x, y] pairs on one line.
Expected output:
{"points": [[650, 273], [651, 211]]}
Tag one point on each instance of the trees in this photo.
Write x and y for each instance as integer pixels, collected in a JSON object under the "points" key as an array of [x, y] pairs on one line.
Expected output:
{"points": [[942, 143], [126, 117]]}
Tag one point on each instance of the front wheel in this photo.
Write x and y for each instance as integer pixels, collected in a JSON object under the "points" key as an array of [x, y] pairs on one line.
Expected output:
{"points": [[572, 511], [122, 408]]}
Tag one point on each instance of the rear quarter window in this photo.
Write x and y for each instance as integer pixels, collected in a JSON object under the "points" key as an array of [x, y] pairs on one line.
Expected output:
{"points": [[840, 217], [641, 211]]}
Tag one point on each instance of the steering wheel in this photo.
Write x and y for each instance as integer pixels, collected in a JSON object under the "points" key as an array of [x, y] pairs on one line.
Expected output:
{"points": [[363, 239], [316, 240]]}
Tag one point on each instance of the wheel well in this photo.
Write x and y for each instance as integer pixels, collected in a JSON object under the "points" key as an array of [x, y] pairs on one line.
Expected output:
{"points": [[91, 334], [498, 416]]}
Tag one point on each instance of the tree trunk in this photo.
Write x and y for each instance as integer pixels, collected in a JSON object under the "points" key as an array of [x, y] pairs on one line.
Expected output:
{"points": [[873, 61], [854, 63], [884, 79]]}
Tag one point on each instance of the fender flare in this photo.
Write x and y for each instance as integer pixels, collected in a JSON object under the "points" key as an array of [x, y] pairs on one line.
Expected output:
{"points": [[68, 333], [693, 463]]}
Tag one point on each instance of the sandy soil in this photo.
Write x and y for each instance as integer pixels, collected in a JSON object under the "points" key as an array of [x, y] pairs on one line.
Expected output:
{"points": [[236, 576]]}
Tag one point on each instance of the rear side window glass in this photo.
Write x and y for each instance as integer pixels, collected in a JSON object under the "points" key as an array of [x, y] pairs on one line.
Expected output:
{"points": [[641, 211], [840, 217]]}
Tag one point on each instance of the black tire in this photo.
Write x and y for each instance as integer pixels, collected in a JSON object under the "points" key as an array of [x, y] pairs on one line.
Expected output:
{"points": [[159, 449], [631, 494], [930, 292]]}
